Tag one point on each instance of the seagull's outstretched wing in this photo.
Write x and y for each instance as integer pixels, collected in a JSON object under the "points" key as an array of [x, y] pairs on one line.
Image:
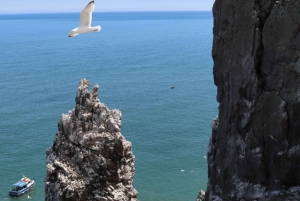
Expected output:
{"points": [[86, 15]]}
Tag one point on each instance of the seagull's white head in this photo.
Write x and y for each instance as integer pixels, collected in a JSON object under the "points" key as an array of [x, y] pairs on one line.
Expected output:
{"points": [[73, 32]]}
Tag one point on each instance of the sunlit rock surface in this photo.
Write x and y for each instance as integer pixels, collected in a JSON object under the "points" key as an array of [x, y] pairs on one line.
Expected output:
{"points": [[90, 159]]}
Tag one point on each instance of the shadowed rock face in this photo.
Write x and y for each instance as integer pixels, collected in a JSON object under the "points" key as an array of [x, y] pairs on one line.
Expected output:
{"points": [[254, 150], [90, 159]]}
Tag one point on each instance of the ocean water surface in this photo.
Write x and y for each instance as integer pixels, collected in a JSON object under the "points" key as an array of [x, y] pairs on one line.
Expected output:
{"points": [[135, 59]]}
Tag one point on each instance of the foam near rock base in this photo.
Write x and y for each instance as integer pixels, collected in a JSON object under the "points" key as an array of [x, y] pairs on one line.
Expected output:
{"points": [[90, 159]]}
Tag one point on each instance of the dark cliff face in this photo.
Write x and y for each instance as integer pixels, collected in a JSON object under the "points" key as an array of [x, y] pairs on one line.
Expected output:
{"points": [[254, 151], [90, 159]]}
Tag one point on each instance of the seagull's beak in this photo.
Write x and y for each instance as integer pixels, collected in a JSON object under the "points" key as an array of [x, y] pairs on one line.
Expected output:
{"points": [[70, 34]]}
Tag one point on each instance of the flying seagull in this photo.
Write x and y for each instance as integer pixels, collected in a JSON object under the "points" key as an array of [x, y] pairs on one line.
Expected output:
{"points": [[85, 21]]}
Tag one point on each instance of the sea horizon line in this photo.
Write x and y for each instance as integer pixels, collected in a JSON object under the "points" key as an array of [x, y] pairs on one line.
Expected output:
{"points": [[72, 12]]}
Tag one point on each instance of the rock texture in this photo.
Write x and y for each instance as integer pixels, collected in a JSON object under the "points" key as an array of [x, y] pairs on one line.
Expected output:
{"points": [[90, 159], [254, 150], [201, 196]]}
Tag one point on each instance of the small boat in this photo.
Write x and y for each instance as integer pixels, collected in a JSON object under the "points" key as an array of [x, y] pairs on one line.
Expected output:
{"points": [[25, 184]]}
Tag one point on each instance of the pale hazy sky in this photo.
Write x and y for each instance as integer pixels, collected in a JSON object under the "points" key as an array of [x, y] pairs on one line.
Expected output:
{"points": [[34, 6]]}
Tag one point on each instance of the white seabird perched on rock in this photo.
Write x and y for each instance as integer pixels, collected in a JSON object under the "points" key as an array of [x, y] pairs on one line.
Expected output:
{"points": [[85, 21]]}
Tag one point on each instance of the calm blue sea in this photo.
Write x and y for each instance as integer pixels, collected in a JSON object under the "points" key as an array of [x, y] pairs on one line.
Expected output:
{"points": [[135, 59]]}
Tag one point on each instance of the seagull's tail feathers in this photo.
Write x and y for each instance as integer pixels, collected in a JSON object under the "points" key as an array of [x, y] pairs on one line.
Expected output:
{"points": [[97, 28]]}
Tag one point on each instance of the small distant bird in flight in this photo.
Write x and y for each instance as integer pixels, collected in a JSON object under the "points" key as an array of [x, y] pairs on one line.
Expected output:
{"points": [[85, 21]]}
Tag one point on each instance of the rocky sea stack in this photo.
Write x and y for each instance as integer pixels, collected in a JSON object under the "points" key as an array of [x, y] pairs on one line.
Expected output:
{"points": [[254, 150], [90, 159]]}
